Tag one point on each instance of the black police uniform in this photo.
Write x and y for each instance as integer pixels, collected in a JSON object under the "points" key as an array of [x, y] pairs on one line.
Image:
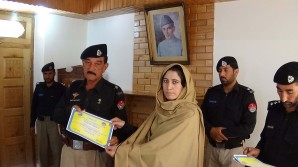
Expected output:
{"points": [[106, 100], [44, 100], [236, 111], [279, 138]]}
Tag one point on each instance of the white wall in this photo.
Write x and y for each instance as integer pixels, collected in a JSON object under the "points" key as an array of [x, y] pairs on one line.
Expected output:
{"points": [[118, 33], [262, 35], [58, 39], [62, 40]]}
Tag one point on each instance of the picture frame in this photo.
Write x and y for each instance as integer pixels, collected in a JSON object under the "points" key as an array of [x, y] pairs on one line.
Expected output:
{"points": [[166, 32]]}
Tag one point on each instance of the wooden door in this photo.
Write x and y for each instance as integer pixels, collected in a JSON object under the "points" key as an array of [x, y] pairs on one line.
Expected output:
{"points": [[15, 96]]}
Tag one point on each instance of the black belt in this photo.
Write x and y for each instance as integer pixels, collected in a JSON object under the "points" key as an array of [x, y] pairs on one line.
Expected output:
{"points": [[83, 145], [80, 145], [226, 145]]}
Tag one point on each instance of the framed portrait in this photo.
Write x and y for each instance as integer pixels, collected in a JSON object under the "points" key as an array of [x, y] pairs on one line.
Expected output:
{"points": [[166, 34]]}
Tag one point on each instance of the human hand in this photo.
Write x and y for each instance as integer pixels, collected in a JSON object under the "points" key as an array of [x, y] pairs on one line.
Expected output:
{"points": [[114, 141], [118, 123], [32, 131], [77, 108], [111, 150], [251, 151], [217, 135]]}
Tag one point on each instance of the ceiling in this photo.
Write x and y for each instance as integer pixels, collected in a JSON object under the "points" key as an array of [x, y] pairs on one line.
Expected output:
{"points": [[30, 6]]}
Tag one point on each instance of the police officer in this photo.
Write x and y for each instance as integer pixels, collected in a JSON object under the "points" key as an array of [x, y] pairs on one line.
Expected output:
{"points": [[45, 98], [279, 139], [229, 111], [97, 96]]}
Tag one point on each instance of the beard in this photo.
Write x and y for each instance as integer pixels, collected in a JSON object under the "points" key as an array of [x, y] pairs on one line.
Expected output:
{"points": [[49, 80], [225, 81], [289, 104]]}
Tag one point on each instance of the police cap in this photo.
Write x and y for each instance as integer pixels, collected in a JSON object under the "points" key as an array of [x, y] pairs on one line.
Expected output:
{"points": [[227, 60], [165, 19], [95, 51], [287, 73], [48, 67]]}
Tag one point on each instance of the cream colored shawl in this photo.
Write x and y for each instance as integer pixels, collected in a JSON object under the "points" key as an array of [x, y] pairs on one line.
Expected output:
{"points": [[172, 136]]}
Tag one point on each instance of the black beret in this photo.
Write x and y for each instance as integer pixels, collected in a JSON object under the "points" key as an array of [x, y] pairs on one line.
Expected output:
{"points": [[165, 19], [227, 60], [95, 51], [287, 73], [48, 67]]}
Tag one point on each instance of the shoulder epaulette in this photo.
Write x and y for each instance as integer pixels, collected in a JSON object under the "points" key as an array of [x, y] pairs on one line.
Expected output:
{"points": [[273, 103], [247, 88], [60, 83], [38, 84], [118, 90], [77, 81]]}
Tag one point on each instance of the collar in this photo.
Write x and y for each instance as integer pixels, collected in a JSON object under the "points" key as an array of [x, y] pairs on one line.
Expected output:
{"points": [[235, 87], [97, 87], [44, 84]]}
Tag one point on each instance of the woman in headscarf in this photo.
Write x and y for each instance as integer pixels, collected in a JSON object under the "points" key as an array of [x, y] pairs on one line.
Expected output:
{"points": [[173, 135]]}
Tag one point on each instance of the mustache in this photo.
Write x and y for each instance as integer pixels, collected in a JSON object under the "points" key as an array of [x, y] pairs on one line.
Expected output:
{"points": [[90, 72]]}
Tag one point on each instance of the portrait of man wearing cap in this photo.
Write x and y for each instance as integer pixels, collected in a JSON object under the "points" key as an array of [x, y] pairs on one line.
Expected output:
{"points": [[45, 97], [97, 96], [170, 45], [278, 145], [230, 112]]}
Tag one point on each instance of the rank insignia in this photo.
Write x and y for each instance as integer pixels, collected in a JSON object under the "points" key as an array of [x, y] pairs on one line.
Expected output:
{"points": [[99, 53], [120, 104], [290, 79], [252, 107], [75, 95], [223, 63], [98, 101]]}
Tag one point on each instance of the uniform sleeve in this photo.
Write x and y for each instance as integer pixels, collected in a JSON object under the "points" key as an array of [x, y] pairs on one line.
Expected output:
{"points": [[262, 141], [60, 114], [33, 107], [207, 124], [120, 112], [248, 121], [126, 131]]}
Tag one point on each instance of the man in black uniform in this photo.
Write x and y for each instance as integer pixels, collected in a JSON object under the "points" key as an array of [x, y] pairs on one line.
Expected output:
{"points": [[97, 96], [45, 98], [279, 139], [229, 111]]}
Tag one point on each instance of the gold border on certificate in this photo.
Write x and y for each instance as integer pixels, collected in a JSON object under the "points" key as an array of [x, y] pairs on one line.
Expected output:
{"points": [[91, 127]]}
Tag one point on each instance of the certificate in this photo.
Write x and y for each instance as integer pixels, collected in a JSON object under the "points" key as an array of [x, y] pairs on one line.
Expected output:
{"points": [[250, 161], [91, 127]]}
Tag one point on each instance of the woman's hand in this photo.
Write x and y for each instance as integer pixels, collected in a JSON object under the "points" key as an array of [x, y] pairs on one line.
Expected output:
{"points": [[114, 141], [111, 150]]}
